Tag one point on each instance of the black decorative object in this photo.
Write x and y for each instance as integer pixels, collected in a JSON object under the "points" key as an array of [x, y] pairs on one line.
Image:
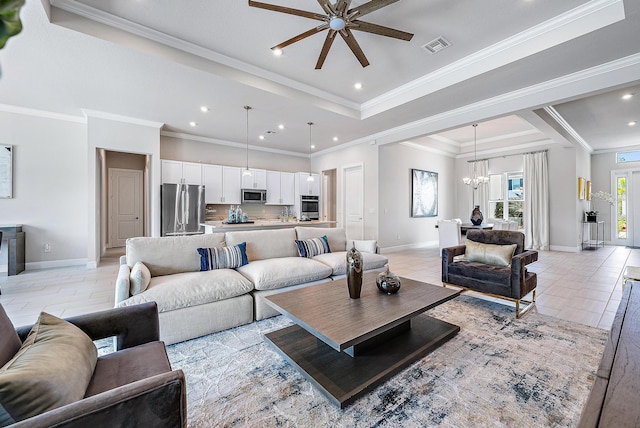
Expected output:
{"points": [[388, 282], [476, 216], [354, 272], [591, 216]]}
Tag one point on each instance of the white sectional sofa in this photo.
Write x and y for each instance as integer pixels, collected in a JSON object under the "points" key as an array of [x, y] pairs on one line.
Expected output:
{"points": [[192, 303]]}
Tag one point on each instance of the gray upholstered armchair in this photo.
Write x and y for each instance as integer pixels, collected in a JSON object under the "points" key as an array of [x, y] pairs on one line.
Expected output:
{"points": [[496, 271], [133, 386]]}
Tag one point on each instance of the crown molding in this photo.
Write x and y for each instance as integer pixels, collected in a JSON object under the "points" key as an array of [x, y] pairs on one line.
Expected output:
{"points": [[42, 113], [574, 23], [118, 118], [519, 149], [242, 146], [565, 125], [427, 149]]}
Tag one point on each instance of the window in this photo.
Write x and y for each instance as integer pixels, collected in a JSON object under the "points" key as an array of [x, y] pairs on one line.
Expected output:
{"points": [[621, 207], [506, 190], [622, 157]]}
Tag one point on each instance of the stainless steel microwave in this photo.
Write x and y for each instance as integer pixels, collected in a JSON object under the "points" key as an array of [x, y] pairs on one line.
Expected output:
{"points": [[254, 196]]}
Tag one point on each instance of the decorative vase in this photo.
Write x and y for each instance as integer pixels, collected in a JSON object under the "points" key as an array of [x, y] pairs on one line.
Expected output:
{"points": [[388, 282], [476, 216], [354, 272]]}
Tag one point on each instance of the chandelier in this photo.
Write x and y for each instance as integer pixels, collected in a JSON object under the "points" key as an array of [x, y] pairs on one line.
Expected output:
{"points": [[476, 180]]}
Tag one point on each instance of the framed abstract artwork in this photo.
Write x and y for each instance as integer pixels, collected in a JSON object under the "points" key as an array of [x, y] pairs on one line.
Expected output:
{"points": [[6, 171], [424, 193]]}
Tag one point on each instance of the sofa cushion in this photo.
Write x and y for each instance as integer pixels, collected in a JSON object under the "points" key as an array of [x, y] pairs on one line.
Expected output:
{"points": [[223, 257], [187, 289], [313, 247], [265, 244], [9, 340], [283, 272], [482, 272], [170, 254], [338, 261], [52, 368], [127, 366], [139, 278], [335, 236], [499, 255], [364, 246]]}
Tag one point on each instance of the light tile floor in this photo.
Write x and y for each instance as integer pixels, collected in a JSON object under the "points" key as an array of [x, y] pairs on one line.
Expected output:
{"points": [[581, 287]]}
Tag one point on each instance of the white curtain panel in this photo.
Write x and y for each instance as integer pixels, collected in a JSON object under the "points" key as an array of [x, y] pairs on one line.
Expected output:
{"points": [[536, 201], [481, 195]]}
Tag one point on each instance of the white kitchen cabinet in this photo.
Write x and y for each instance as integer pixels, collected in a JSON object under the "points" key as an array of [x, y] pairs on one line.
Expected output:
{"points": [[221, 184], [280, 188], [306, 187], [178, 172], [257, 179]]}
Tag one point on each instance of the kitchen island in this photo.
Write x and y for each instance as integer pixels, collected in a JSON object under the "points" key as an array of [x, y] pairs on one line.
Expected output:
{"points": [[219, 226]]}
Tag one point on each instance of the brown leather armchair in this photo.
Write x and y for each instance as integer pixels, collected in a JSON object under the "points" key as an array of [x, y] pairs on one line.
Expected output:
{"points": [[133, 386], [512, 282]]}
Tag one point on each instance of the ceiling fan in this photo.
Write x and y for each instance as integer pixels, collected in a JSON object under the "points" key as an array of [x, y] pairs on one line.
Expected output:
{"points": [[338, 18]]}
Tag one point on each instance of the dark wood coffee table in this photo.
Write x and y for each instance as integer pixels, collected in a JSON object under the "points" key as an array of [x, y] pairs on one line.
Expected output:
{"points": [[346, 347]]}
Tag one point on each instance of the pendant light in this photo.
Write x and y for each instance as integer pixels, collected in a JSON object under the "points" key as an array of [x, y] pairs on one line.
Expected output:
{"points": [[246, 172], [476, 180], [310, 177]]}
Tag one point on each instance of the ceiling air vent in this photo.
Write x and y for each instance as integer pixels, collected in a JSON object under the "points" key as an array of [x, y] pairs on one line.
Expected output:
{"points": [[437, 44]]}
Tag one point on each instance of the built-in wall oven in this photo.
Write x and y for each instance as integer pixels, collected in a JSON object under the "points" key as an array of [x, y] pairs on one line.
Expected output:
{"points": [[309, 207]]}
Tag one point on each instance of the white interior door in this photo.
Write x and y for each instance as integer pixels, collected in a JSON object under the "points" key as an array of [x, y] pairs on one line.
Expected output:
{"points": [[125, 205], [633, 199], [354, 201]]}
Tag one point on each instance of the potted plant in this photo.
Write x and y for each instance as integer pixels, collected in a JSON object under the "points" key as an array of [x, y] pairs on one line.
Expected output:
{"points": [[10, 23]]}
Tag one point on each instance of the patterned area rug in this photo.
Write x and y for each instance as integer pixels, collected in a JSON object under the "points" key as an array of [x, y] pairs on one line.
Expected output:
{"points": [[497, 371]]}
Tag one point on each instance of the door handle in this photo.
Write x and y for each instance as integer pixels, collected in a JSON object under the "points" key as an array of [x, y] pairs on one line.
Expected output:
{"points": [[136, 218]]}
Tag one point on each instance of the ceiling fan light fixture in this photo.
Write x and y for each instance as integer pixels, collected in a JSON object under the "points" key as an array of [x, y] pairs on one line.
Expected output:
{"points": [[336, 23], [277, 51]]}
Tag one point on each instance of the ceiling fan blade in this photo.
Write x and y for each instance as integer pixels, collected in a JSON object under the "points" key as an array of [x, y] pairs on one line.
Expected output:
{"points": [[326, 6], [288, 10], [379, 29], [331, 36], [372, 6], [301, 36], [342, 6], [350, 40]]}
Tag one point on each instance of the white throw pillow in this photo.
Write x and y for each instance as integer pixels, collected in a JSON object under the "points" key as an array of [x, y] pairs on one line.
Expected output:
{"points": [[139, 278], [368, 246]]}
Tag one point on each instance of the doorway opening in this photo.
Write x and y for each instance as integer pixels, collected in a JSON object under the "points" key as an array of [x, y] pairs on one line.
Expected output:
{"points": [[328, 203]]}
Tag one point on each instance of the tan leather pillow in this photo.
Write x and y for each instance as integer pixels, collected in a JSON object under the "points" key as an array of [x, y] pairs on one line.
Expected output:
{"points": [[491, 254], [51, 369]]}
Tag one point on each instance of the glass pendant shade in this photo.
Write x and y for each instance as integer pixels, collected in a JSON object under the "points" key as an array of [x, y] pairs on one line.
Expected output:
{"points": [[476, 180]]}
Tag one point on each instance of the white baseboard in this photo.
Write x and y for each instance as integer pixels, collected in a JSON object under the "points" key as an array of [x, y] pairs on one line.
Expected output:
{"points": [[428, 244], [56, 264], [564, 249]]}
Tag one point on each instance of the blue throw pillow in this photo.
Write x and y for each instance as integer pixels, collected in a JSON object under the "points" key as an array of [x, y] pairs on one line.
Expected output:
{"points": [[313, 247], [223, 257]]}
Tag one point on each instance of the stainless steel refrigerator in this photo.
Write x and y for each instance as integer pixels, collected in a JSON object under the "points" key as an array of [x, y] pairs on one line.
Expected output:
{"points": [[183, 209]]}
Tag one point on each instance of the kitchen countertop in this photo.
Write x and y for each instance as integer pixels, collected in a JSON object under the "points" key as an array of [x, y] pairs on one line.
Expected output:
{"points": [[218, 226]]}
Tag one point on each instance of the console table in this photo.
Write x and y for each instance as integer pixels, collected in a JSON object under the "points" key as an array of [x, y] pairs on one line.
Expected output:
{"points": [[587, 233], [13, 235]]}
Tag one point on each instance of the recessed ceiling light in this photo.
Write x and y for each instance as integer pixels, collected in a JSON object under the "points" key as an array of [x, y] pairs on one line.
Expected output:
{"points": [[280, 126], [193, 124], [633, 123], [204, 109], [335, 138], [358, 85], [627, 96], [277, 52], [261, 137], [313, 146]]}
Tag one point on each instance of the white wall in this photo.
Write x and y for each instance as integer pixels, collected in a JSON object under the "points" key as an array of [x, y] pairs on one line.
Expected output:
{"points": [[367, 155], [49, 187], [217, 154], [124, 135], [397, 229]]}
